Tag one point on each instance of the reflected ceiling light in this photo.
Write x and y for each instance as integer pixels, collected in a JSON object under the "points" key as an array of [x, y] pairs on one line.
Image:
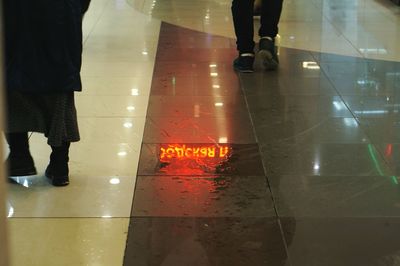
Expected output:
{"points": [[213, 65], [316, 166], [350, 122], [214, 74], [10, 212], [128, 125], [310, 65], [25, 183], [223, 140], [216, 86], [373, 50], [145, 53], [135, 92], [130, 108], [292, 37], [106, 216], [196, 110], [219, 104], [338, 105], [372, 112], [115, 181], [122, 153]]}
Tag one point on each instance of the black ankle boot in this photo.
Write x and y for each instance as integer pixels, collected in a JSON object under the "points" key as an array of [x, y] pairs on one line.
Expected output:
{"points": [[57, 170], [19, 161]]}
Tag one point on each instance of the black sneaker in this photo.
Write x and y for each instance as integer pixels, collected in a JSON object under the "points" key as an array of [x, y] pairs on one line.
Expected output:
{"points": [[244, 63], [267, 51]]}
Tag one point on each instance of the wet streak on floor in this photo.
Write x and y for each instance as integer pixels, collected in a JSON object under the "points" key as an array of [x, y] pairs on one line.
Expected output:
{"points": [[314, 142]]}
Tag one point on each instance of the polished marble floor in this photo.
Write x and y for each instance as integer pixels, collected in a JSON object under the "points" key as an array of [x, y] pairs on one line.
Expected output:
{"points": [[184, 162]]}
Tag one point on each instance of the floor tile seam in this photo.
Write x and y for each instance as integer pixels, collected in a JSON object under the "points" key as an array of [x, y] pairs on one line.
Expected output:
{"points": [[268, 182], [344, 36], [363, 128]]}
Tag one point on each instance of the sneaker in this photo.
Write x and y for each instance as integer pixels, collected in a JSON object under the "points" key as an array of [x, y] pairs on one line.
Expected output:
{"points": [[244, 63], [267, 51]]}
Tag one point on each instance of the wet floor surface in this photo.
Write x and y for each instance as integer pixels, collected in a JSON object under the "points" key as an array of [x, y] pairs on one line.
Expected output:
{"points": [[294, 167]]}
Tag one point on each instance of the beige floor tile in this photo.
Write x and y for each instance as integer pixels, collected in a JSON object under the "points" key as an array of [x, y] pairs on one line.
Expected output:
{"points": [[66, 242], [111, 106], [111, 130], [120, 86], [116, 69], [85, 196], [88, 158]]}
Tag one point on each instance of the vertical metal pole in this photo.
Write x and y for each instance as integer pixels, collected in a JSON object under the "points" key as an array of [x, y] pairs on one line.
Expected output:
{"points": [[4, 259]]}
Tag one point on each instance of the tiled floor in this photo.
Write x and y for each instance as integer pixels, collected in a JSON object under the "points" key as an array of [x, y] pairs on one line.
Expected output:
{"points": [[184, 162]]}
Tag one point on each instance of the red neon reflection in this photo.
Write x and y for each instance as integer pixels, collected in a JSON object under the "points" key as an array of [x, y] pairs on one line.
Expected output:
{"points": [[192, 159], [192, 152], [389, 150]]}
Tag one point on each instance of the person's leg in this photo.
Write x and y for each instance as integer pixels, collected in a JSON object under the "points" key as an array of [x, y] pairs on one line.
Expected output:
{"points": [[19, 161], [58, 170], [271, 13], [242, 13]]}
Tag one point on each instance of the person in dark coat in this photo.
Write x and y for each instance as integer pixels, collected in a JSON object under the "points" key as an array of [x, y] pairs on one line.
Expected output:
{"points": [[43, 49]]}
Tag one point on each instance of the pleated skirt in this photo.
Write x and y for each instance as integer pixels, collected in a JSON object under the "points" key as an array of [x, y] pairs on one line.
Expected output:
{"points": [[54, 115]]}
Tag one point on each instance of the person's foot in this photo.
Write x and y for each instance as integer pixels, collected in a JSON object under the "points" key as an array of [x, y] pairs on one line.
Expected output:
{"points": [[57, 170], [58, 175], [20, 165], [267, 51], [244, 63]]}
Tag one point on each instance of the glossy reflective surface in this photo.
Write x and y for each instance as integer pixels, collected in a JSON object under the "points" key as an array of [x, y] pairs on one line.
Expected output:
{"points": [[310, 173]]}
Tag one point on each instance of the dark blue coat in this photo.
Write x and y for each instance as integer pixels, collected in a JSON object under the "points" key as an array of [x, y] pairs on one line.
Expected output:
{"points": [[43, 45]]}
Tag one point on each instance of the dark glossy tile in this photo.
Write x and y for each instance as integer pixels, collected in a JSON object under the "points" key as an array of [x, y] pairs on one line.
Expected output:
{"points": [[366, 71], [336, 196], [223, 159], [367, 87], [177, 36], [193, 39], [195, 55], [205, 242], [289, 55], [211, 70], [373, 107], [195, 86], [296, 69], [212, 196], [343, 241], [274, 85], [302, 129], [196, 106], [325, 57], [323, 159], [382, 130], [237, 129], [286, 106], [391, 154]]}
